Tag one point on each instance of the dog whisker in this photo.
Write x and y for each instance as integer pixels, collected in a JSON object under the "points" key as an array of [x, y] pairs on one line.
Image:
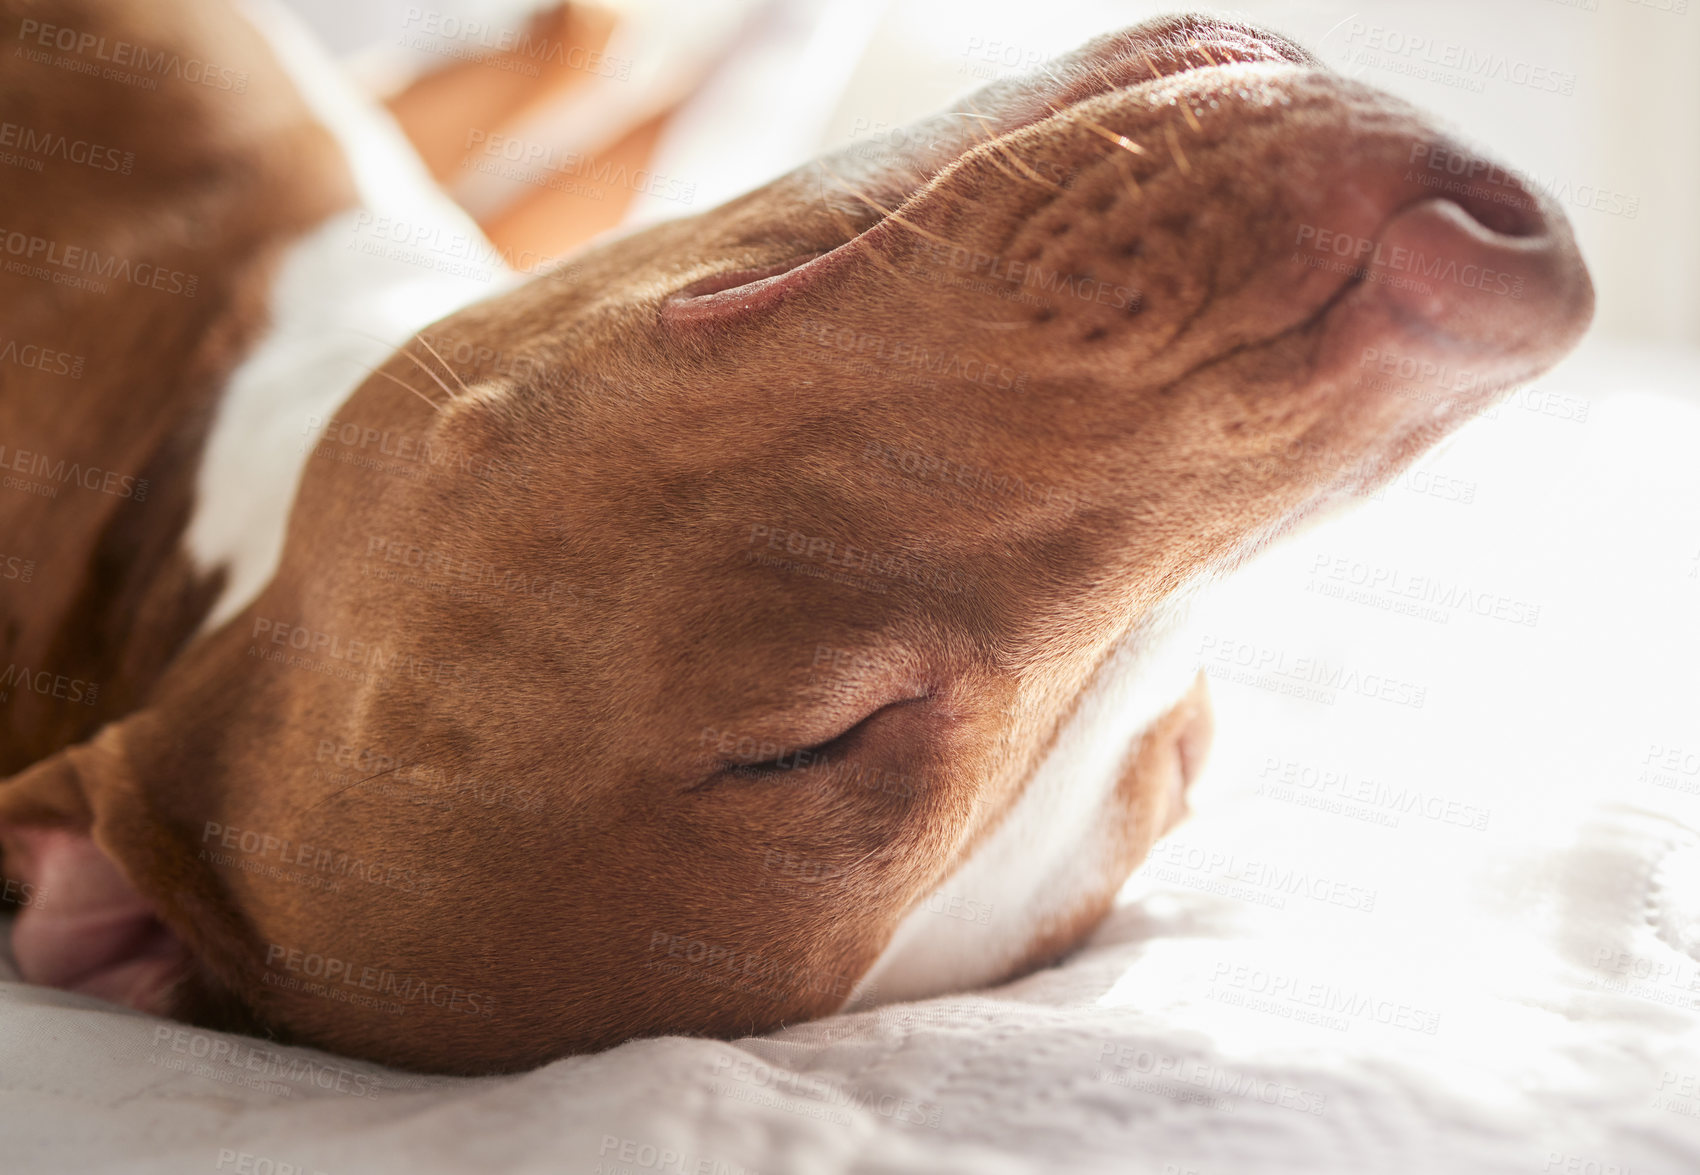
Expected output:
{"points": [[1181, 160], [1027, 171], [995, 160], [851, 233], [435, 378], [900, 275], [1150, 65], [1024, 169], [1109, 82], [415, 360], [435, 407], [890, 213], [1104, 132], [1117, 140], [1121, 141], [985, 140], [426, 343]]}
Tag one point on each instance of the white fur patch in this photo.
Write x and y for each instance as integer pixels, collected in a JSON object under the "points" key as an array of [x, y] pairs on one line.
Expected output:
{"points": [[1043, 858], [347, 295]]}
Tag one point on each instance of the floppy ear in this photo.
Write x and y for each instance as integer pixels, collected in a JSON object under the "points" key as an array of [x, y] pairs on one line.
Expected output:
{"points": [[82, 923]]}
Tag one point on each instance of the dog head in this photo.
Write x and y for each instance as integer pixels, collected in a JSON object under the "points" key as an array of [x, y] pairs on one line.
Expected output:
{"points": [[694, 612]]}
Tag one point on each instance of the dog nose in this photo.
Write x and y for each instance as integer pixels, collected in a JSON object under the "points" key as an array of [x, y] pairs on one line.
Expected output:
{"points": [[1477, 275], [1480, 276]]}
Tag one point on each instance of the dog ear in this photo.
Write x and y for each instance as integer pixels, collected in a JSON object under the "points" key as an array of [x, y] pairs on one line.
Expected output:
{"points": [[82, 923]]}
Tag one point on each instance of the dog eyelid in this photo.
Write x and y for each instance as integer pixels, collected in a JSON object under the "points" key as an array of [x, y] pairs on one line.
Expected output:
{"points": [[801, 757], [821, 754]]}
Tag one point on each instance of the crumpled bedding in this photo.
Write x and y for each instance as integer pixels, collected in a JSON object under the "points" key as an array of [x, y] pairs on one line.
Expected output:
{"points": [[1438, 908]]}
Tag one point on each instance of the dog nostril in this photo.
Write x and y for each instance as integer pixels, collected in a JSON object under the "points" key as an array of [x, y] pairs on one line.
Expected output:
{"points": [[1468, 280], [1494, 197], [1513, 214]]}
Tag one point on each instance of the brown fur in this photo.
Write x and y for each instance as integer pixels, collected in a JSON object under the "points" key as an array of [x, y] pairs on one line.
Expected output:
{"points": [[649, 437]]}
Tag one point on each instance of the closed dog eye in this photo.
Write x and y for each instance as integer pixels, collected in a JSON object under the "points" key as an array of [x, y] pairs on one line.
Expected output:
{"points": [[820, 755], [801, 758]]}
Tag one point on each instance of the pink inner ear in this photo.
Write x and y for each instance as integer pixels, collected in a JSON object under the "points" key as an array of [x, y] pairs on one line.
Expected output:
{"points": [[84, 927]]}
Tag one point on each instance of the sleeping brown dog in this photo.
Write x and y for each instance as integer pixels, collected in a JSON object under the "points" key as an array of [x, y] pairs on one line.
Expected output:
{"points": [[658, 645]]}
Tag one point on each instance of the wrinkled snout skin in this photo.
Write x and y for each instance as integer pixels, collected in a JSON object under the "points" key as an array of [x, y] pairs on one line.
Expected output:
{"points": [[817, 513]]}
